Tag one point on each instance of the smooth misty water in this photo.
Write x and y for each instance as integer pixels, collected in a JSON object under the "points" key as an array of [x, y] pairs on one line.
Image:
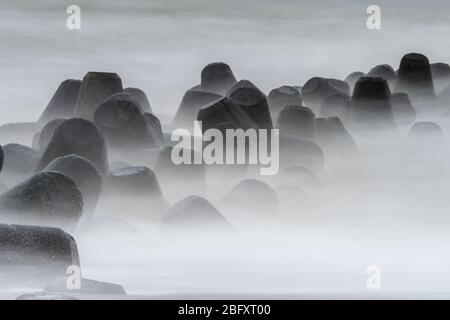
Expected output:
{"points": [[390, 211], [387, 207]]}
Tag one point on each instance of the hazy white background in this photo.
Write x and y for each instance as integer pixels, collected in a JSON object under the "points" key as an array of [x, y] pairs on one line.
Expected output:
{"points": [[161, 46]]}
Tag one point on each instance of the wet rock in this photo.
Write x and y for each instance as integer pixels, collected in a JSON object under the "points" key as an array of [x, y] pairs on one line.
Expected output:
{"points": [[253, 101], [47, 132], [224, 111], [426, 131], [141, 97], [352, 78], [124, 96], [193, 100], [298, 88], [155, 126], [297, 121], [281, 97], [135, 182], [251, 196], [402, 109], [386, 72], [165, 164], [300, 152], [337, 105], [441, 75], [238, 145], [371, 107], [19, 162], [195, 214], [167, 136], [123, 126], [85, 175], [414, 77], [133, 187], [95, 88], [45, 296], [47, 199], [217, 77], [332, 135], [316, 90], [63, 102], [77, 136], [32, 254]]}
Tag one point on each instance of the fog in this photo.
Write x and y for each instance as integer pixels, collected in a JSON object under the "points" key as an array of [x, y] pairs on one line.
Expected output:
{"points": [[385, 206], [160, 46], [371, 210]]}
